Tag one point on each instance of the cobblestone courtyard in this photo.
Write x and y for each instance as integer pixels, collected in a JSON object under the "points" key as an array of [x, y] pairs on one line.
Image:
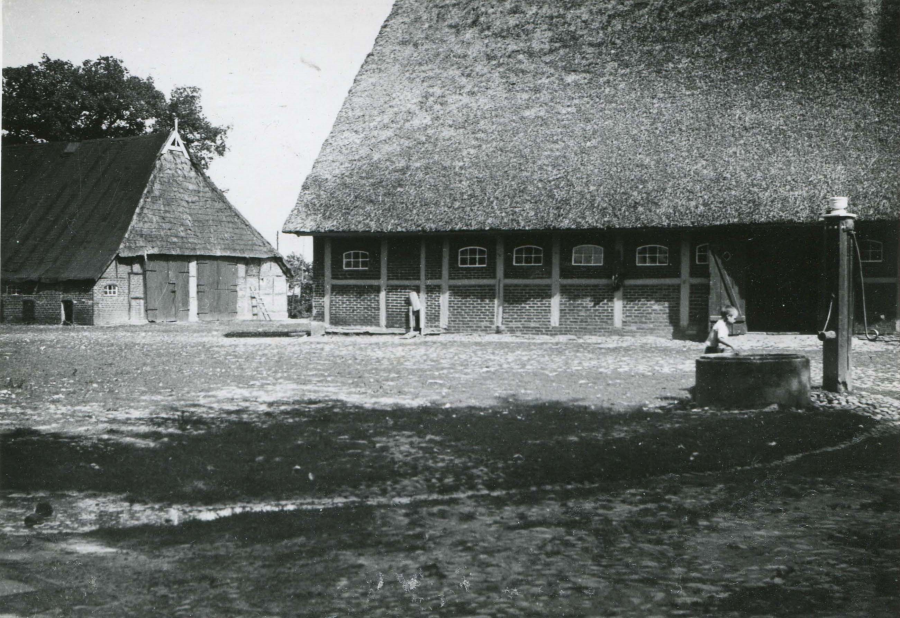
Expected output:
{"points": [[194, 474]]}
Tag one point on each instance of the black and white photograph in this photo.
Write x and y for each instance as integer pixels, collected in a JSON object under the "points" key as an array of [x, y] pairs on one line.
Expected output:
{"points": [[451, 308]]}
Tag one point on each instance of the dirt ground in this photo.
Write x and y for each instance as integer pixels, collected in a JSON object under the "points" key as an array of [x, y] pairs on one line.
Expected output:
{"points": [[198, 474]]}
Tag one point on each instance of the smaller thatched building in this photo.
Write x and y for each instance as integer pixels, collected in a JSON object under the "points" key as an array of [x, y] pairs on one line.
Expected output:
{"points": [[586, 166], [127, 230]]}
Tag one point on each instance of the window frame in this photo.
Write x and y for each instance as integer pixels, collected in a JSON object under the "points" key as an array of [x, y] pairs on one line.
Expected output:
{"points": [[13, 290], [704, 246], [110, 287], [480, 253], [637, 258], [518, 253], [602, 255], [867, 245], [348, 258]]}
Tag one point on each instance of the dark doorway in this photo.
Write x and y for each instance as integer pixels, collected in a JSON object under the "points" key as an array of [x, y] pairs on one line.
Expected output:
{"points": [[68, 310], [28, 311], [783, 279]]}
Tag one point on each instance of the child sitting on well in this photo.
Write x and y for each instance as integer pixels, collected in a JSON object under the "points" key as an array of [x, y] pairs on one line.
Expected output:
{"points": [[719, 336]]}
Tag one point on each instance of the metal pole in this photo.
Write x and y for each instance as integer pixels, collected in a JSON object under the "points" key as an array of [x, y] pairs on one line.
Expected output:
{"points": [[837, 334]]}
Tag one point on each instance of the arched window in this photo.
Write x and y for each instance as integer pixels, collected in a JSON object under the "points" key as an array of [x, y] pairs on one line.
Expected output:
{"points": [[702, 254], [111, 289], [652, 255], [528, 255], [472, 257], [587, 255], [871, 251], [356, 260]]}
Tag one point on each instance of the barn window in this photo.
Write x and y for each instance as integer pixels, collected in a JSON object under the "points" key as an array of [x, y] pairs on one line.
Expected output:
{"points": [[356, 260], [13, 290], [702, 254], [111, 289], [528, 255], [871, 251], [587, 255], [472, 257], [652, 255]]}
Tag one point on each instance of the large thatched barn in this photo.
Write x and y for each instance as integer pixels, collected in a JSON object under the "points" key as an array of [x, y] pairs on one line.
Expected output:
{"points": [[127, 230], [584, 166]]}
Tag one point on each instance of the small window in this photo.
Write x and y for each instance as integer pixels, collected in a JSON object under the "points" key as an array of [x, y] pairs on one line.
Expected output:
{"points": [[13, 290], [587, 255], [528, 255], [871, 251], [111, 289], [652, 255], [356, 260], [472, 257], [702, 254]]}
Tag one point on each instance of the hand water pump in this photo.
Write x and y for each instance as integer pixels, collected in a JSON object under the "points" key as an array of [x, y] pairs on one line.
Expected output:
{"points": [[840, 242]]}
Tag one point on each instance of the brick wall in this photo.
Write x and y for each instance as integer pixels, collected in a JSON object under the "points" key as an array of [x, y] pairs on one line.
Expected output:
{"points": [[471, 308], [526, 306], [650, 307], [698, 308], [403, 258], [586, 307], [398, 306], [433, 257], [48, 302], [112, 309], [318, 280], [433, 306], [353, 305]]}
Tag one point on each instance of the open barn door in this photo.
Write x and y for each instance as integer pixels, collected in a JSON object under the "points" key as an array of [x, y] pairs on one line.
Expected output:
{"points": [[727, 275]]}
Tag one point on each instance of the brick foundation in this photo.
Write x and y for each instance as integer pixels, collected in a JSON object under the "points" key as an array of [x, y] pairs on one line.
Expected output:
{"points": [[586, 308], [354, 305], [471, 308], [526, 306], [651, 307]]}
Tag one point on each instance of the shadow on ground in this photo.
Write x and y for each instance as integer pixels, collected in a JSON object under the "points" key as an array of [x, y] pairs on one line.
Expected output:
{"points": [[332, 448]]}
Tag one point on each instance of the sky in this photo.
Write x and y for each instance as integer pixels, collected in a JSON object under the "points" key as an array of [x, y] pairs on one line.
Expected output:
{"points": [[277, 71]]}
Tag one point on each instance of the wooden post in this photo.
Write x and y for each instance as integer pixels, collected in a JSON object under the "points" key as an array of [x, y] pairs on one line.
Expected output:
{"points": [[838, 334], [382, 291], [897, 282], [192, 291], [327, 267], [500, 258], [619, 295], [684, 307], [445, 283], [423, 287], [554, 282]]}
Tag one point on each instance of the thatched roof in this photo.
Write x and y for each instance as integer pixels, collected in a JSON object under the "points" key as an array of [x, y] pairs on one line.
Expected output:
{"points": [[529, 114], [65, 215]]}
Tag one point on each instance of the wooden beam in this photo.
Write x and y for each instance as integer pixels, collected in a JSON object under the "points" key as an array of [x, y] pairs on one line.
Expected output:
{"points": [[382, 291], [327, 266], [554, 282], [423, 285], [618, 295], [500, 254], [684, 305], [445, 283]]}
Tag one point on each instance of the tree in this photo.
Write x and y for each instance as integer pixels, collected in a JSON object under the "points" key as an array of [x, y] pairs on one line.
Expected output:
{"points": [[55, 100], [299, 285]]}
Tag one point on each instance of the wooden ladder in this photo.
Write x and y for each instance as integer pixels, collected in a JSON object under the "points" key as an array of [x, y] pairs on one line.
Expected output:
{"points": [[258, 307]]}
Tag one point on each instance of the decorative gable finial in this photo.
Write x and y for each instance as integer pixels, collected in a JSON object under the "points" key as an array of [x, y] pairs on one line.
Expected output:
{"points": [[173, 142]]}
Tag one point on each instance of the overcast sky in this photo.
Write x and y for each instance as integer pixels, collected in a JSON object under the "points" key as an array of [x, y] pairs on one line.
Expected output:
{"points": [[276, 70]]}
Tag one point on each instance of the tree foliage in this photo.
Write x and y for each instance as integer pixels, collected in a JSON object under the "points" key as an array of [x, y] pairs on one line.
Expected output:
{"points": [[300, 284], [56, 100]]}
